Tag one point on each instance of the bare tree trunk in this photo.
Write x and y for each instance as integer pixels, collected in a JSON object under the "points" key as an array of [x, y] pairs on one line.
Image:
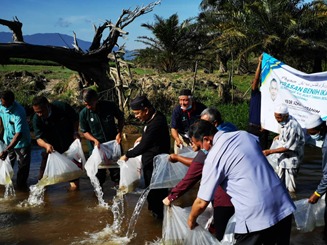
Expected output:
{"points": [[93, 65]]}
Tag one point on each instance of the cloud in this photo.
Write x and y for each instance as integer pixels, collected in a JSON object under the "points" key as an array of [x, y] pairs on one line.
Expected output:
{"points": [[72, 20]]}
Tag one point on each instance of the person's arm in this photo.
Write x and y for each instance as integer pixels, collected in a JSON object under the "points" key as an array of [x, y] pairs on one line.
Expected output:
{"points": [[90, 137], [256, 79], [198, 208], [121, 122], [12, 144], [175, 135], [272, 151], [192, 176], [48, 147], [322, 187], [178, 158]]}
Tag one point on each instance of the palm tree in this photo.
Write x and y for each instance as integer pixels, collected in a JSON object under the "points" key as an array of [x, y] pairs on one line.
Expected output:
{"points": [[173, 45]]}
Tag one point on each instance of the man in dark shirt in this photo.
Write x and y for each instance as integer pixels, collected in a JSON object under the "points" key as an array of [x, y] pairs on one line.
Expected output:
{"points": [[97, 123], [183, 116], [55, 128], [155, 140]]}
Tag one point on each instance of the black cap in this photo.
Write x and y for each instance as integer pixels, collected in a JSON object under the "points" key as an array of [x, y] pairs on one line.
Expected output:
{"points": [[186, 92], [140, 102]]}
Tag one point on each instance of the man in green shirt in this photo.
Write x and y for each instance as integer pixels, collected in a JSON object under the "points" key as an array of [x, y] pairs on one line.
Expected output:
{"points": [[97, 123]]}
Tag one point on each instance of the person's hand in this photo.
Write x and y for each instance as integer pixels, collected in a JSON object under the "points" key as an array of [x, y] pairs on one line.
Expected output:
{"points": [[49, 148], [173, 157], [260, 58], [3, 155], [97, 143], [179, 142], [191, 222], [266, 152], [124, 158], [313, 199], [77, 135], [118, 138], [166, 201]]}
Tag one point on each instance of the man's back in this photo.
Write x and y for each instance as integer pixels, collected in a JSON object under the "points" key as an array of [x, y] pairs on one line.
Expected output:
{"points": [[237, 163]]}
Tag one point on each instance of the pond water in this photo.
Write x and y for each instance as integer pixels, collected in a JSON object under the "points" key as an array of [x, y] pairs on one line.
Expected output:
{"points": [[76, 218]]}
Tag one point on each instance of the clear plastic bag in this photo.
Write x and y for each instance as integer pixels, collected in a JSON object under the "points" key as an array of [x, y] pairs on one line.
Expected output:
{"points": [[6, 171], [106, 154], [130, 175], [175, 230], [110, 151], [76, 154], [167, 174], [304, 215], [59, 169]]}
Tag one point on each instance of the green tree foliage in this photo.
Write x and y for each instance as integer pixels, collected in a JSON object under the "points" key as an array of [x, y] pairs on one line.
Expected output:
{"points": [[292, 31], [174, 46]]}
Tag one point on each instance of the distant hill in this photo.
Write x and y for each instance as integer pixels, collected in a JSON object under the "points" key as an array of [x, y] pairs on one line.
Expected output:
{"points": [[54, 39]]}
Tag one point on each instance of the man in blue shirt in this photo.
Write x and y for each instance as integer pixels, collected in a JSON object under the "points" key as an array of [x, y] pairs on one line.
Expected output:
{"points": [[263, 207], [317, 129], [16, 135]]}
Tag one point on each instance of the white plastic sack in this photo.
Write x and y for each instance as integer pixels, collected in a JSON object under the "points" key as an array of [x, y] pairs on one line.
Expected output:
{"points": [[304, 215], [176, 231], [273, 158], [6, 171], [167, 174], [110, 151], [75, 153], [130, 175], [107, 153], [319, 211], [308, 216], [59, 169]]}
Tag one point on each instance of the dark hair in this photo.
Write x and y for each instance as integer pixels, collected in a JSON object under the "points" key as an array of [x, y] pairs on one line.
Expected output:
{"points": [[201, 128], [213, 114], [8, 96], [89, 95], [40, 101]]}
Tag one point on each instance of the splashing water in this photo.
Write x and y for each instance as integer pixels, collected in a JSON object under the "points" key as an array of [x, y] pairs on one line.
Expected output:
{"points": [[136, 212], [98, 191], [36, 196], [117, 208], [9, 191], [105, 236]]}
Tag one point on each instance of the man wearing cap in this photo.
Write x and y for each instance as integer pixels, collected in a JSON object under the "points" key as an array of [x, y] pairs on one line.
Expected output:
{"points": [[155, 140], [288, 147], [97, 123], [183, 116], [317, 130]]}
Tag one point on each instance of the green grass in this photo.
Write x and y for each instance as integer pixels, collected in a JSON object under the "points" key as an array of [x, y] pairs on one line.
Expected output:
{"points": [[50, 72]]}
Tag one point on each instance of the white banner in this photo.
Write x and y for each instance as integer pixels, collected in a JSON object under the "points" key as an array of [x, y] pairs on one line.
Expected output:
{"points": [[304, 94]]}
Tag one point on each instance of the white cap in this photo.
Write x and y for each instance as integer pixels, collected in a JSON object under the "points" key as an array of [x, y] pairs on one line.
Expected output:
{"points": [[313, 121], [281, 109]]}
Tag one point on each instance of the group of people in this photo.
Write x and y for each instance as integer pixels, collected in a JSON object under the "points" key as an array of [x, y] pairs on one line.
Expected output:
{"points": [[231, 164], [56, 125]]}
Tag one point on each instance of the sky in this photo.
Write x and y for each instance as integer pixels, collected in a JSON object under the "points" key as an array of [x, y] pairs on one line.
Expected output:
{"points": [[79, 16]]}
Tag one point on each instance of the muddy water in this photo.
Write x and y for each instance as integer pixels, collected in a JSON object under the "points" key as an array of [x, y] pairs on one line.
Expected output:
{"points": [[76, 218]]}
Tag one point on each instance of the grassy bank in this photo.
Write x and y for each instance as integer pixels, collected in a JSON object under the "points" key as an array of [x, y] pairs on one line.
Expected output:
{"points": [[235, 110]]}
